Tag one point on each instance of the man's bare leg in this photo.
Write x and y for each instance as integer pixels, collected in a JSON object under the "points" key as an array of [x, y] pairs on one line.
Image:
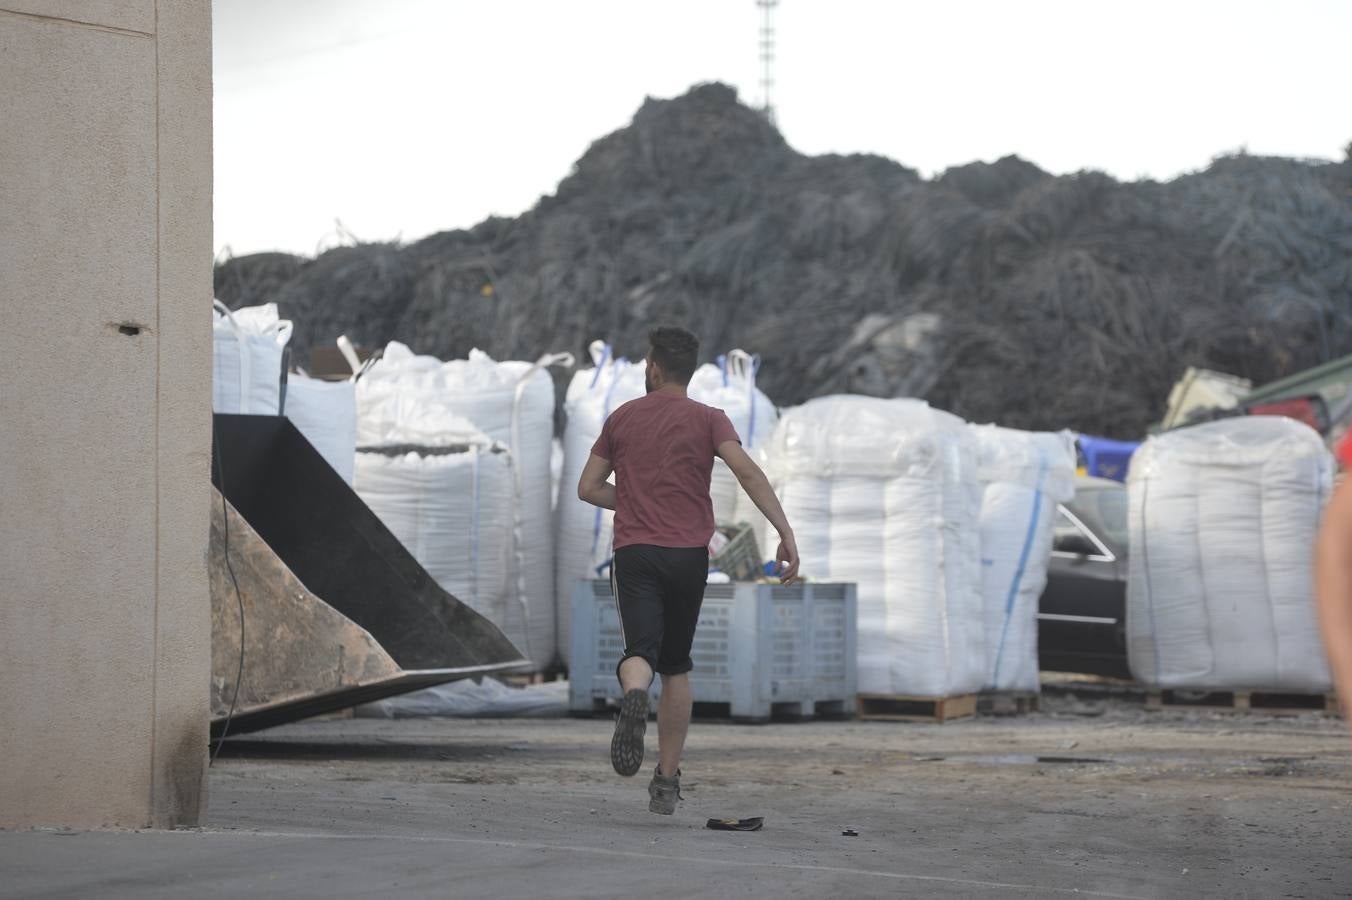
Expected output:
{"points": [[673, 722], [635, 674]]}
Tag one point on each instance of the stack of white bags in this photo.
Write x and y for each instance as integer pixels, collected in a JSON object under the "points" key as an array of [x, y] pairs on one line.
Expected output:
{"points": [[445, 489], [248, 359], [885, 493], [510, 403], [457, 459], [730, 385], [1223, 520], [326, 413], [946, 528], [249, 376], [1024, 475]]}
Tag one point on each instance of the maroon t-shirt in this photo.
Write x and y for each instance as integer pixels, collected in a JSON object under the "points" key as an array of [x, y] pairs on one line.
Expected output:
{"points": [[662, 448]]}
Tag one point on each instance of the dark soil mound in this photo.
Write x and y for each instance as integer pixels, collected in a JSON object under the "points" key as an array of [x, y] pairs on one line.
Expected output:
{"points": [[996, 291]]}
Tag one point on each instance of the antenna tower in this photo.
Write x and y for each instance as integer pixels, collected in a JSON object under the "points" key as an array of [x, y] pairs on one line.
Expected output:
{"points": [[767, 57]]}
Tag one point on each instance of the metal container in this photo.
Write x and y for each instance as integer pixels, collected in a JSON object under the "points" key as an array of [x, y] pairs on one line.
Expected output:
{"points": [[335, 611]]}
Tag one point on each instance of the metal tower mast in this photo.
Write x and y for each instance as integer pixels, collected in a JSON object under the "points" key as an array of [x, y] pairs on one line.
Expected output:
{"points": [[767, 57]]}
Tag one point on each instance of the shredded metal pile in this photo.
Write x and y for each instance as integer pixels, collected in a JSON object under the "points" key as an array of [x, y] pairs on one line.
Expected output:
{"points": [[996, 291]]}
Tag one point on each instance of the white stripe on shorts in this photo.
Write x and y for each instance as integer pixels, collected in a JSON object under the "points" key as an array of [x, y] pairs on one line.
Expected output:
{"points": [[615, 595]]}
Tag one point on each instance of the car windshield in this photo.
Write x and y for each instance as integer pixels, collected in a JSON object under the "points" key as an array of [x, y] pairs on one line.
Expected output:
{"points": [[1104, 511]]}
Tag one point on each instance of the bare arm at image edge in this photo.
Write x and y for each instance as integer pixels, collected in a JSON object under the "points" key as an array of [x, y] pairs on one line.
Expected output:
{"points": [[593, 487], [1333, 589], [757, 487]]}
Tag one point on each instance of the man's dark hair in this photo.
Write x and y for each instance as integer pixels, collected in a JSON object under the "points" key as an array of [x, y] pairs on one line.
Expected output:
{"points": [[675, 350]]}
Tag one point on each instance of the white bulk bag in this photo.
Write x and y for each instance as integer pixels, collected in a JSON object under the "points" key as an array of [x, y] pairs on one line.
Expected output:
{"points": [[585, 531], [451, 507], [1223, 519], [731, 386], [512, 403], [326, 413], [399, 388], [555, 471], [247, 351], [1024, 476], [746, 511], [884, 493], [487, 698]]}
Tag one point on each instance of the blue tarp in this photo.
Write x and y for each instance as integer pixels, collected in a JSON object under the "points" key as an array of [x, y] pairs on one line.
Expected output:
{"points": [[1105, 458]]}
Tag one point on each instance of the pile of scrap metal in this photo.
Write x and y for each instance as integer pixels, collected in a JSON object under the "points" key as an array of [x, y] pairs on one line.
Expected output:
{"points": [[316, 606], [996, 291], [1320, 397], [1202, 395]]}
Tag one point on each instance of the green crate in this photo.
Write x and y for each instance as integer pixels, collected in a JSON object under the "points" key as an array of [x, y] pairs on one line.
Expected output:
{"points": [[740, 560]]}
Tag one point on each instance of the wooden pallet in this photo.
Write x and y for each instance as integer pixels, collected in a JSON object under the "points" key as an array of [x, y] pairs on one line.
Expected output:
{"points": [[1008, 703], [903, 708], [1270, 703]]}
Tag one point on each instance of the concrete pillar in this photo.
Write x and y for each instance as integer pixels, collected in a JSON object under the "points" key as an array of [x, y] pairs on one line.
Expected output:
{"points": [[105, 403]]}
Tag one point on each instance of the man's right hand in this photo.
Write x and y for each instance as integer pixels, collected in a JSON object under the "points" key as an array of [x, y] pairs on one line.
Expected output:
{"points": [[757, 487], [786, 560]]}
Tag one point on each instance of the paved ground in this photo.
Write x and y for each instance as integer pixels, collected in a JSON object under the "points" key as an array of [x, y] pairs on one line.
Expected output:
{"points": [[1091, 800]]}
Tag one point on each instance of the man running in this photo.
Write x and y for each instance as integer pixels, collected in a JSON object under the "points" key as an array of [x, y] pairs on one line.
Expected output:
{"points": [[661, 448]]}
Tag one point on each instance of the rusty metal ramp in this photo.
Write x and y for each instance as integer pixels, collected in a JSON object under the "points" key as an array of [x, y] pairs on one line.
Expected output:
{"points": [[335, 611]]}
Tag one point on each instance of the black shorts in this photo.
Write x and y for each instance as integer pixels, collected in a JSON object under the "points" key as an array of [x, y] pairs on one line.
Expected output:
{"points": [[658, 591]]}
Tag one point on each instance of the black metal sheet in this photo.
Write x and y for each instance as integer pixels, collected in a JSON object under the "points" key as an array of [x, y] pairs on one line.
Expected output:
{"points": [[344, 554]]}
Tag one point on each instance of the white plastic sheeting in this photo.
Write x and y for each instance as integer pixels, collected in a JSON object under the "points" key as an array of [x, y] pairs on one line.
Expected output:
{"points": [[1024, 476], [1223, 519], [510, 402], [585, 532], [248, 346], [730, 385], [884, 493], [487, 699], [326, 413]]}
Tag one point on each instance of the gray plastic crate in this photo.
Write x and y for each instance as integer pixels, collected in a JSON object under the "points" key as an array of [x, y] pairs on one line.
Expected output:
{"points": [[759, 648]]}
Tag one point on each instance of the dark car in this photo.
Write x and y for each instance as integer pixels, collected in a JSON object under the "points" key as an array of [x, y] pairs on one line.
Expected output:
{"points": [[1082, 614]]}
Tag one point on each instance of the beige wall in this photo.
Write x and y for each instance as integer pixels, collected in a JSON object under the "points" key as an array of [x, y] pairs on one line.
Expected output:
{"points": [[105, 221]]}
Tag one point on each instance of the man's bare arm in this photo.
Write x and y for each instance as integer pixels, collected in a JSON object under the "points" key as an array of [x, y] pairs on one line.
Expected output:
{"points": [[1333, 588], [758, 488], [593, 486]]}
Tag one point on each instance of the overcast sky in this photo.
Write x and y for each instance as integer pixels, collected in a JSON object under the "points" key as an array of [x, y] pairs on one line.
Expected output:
{"points": [[406, 117]]}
